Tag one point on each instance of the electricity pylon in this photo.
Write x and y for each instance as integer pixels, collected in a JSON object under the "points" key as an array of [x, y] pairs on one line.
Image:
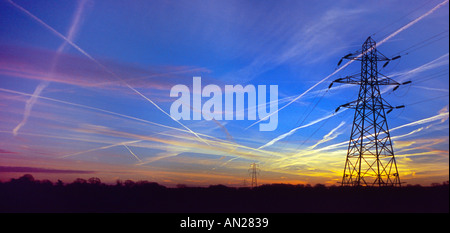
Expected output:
{"points": [[370, 156], [254, 170]]}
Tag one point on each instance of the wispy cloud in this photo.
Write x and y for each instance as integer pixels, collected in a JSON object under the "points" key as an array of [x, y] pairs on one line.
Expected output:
{"points": [[29, 105], [329, 136], [292, 131], [93, 117], [438, 62], [113, 74], [77, 71], [413, 22], [42, 170], [102, 148], [70, 35], [7, 152], [307, 42], [351, 61], [159, 156], [442, 116]]}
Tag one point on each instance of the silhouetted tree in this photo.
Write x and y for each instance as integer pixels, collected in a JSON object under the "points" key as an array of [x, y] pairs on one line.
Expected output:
{"points": [[26, 194], [79, 181], [142, 183], [59, 183], [46, 182], [27, 178], [319, 186], [119, 183], [94, 181], [129, 183]]}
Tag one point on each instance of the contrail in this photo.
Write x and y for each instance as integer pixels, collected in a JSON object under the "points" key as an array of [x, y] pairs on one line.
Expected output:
{"points": [[101, 148], [300, 127], [349, 62], [413, 22], [304, 93], [109, 112], [37, 92], [102, 66], [218, 140], [429, 65], [443, 115], [330, 136], [149, 100], [229, 137], [29, 105], [132, 153], [225, 163], [159, 156]]}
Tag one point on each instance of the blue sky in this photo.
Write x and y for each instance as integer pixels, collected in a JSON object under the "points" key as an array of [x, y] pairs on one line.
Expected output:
{"points": [[84, 118]]}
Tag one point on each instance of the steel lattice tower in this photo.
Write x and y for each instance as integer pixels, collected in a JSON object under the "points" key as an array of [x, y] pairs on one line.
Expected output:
{"points": [[254, 170], [370, 157]]}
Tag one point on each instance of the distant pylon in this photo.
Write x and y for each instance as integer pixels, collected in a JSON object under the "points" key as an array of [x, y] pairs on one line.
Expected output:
{"points": [[254, 170], [370, 156]]}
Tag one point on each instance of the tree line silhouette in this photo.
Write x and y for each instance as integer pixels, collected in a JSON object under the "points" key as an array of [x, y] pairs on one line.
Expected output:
{"points": [[26, 194]]}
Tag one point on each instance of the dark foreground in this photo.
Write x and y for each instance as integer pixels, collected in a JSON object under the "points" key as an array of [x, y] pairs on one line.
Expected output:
{"points": [[27, 195]]}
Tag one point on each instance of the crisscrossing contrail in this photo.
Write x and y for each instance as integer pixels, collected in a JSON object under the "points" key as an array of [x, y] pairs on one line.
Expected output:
{"points": [[349, 62], [101, 65]]}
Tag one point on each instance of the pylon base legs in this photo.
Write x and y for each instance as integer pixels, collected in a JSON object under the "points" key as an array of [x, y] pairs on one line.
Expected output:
{"points": [[364, 171]]}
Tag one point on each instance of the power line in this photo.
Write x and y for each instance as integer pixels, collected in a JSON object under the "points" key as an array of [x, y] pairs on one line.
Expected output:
{"points": [[423, 41], [307, 115], [430, 99], [401, 18], [315, 131], [433, 76]]}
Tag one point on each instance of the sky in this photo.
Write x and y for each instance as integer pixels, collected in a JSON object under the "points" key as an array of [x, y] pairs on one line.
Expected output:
{"points": [[85, 88]]}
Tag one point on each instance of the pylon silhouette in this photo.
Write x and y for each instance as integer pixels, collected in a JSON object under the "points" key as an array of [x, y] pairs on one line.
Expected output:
{"points": [[370, 155], [254, 170]]}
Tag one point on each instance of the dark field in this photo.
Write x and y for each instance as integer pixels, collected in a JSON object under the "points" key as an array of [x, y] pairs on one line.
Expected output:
{"points": [[26, 195]]}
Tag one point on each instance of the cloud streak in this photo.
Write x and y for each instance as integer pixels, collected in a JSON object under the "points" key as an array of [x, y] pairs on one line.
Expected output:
{"points": [[442, 116], [103, 67], [131, 152], [29, 105], [273, 141], [351, 61], [232, 145], [42, 170], [329, 136], [70, 35], [413, 22]]}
